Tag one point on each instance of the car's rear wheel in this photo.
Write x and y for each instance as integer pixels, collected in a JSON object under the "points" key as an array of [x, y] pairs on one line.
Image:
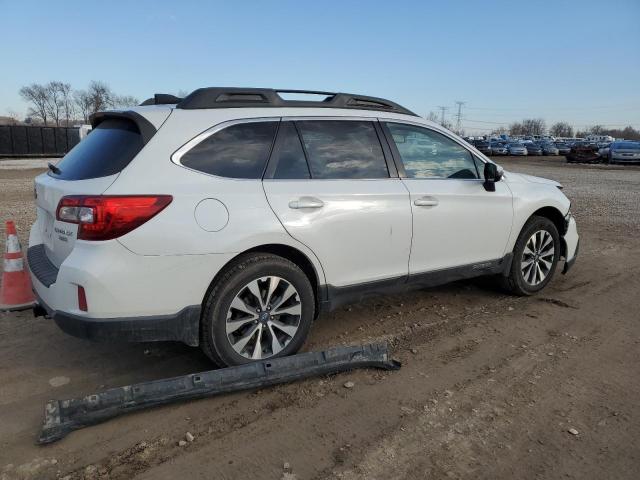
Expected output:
{"points": [[535, 257], [261, 307]]}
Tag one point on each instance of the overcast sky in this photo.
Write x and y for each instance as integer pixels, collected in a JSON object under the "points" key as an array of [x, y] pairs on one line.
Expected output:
{"points": [[577, 61]]}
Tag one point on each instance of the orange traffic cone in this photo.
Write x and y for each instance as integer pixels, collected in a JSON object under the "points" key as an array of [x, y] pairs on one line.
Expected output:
{"points": [[15, 291]]}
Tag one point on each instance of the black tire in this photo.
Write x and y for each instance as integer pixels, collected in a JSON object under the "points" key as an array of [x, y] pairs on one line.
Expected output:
{"points": [[515, 282], [213, 334]]}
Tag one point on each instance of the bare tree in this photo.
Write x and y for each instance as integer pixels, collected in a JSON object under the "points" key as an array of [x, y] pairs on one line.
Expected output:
{"points": [[124, 101], [534, 126], [38, 97], [58, 102], [561, 129], [66, 98], [55, 100], [528, 126], [516, 128], [94, 99], [82, 102], [628, 133], [100, 96]]}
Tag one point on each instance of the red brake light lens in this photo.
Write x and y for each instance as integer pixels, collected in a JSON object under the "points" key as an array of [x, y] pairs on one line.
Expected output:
{"points": [[104, 217], [82, 299]]}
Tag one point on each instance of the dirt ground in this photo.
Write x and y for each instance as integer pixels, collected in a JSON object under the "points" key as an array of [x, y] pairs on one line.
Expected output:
{"points": [[490, 384]]}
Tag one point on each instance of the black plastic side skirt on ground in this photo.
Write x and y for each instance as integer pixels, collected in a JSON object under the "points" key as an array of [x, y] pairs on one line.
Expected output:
{"points": [[64, 416]]}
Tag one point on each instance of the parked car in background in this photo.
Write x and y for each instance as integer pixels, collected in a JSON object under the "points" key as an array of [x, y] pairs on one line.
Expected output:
{"points": [[583, 152], [517, 149], [533, 149], [498, 148], [624, 152], [603, 150], [246, 229], [483, 146], [549, 149], [563, 148]]}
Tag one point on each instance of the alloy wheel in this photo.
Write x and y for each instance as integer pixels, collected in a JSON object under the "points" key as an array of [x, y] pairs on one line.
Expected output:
{"points": [[537, 257], [263, 317]]}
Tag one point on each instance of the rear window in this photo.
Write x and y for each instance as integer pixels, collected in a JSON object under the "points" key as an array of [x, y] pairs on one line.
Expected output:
{"points": [[105, 151], [238, 151]]}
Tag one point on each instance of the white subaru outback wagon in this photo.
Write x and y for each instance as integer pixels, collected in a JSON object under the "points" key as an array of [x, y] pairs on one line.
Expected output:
{"points": [[232, 217]]}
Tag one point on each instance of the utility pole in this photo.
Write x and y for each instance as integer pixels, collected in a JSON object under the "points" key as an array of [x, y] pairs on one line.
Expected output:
{"points": [[442, 110], [459, 116]]}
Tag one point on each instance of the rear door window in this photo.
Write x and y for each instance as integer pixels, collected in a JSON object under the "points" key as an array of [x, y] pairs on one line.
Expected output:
{"points": [[237, 151], [105, 151], [343, 149]]}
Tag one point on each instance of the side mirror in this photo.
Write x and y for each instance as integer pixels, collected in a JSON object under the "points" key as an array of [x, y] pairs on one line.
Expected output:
{"points": [[492, 174]]}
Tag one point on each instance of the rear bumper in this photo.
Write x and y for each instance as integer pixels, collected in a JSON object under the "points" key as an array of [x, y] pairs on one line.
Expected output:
{"points": [[131, 298], [183, 326]]}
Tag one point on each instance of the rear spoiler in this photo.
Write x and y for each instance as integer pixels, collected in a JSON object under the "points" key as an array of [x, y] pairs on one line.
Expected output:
{"points": [[147, 130]]}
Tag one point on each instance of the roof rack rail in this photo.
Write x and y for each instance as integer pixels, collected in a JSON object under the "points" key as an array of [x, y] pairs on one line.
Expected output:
{"points": [[220, 97], [161, 99]]}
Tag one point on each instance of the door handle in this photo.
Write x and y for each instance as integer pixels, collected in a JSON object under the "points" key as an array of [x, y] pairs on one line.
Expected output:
{"points": [[306, 202], [426, 202]]}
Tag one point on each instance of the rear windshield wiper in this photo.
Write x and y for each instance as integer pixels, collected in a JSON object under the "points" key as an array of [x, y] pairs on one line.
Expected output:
{"points": [[54, 169]]}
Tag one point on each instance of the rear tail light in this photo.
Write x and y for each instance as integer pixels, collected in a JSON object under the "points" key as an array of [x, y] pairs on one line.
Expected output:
{"points": [[104, 217]]}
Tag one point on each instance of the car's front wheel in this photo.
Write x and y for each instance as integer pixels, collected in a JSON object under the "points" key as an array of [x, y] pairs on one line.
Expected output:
{"points": [[262, 306], [535, 257]]}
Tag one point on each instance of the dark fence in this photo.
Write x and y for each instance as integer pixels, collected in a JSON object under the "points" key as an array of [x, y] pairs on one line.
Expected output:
{"points": [[23, 141]]}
